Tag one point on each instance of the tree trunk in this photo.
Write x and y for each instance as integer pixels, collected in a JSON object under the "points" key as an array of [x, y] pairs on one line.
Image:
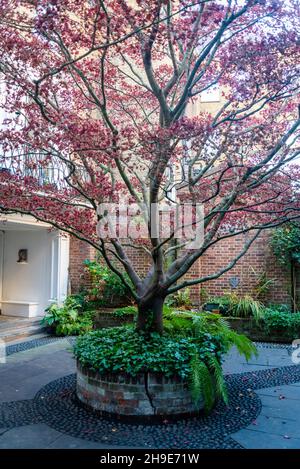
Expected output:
{"points": [[150, 315]]}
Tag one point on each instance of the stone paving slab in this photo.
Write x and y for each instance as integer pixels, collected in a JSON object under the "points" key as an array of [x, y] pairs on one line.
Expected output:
{"points": [[19, 373], [278, 425], [37, 352], [69, 442], [30, 436], [26, 372], [280, 411], [273, 402], [282, 392], [286, 428], [8, 393], [28, 388], [3, 430], [253, 439], [267, 358]]}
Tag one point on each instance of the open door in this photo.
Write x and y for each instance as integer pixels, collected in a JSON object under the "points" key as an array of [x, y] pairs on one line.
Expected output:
{"points": [[59, 268]]}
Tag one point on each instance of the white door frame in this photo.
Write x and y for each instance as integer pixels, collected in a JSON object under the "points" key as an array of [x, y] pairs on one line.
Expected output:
{"points": [[59, 268]]}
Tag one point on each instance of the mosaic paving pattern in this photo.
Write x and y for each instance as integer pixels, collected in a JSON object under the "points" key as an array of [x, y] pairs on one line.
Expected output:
{"points": [[56, 405], [30, 344], [270, 345], [58, 399]]}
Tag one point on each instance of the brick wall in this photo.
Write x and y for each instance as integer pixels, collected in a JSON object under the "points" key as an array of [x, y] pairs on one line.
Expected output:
{"points": [[257, 260], [79, 251], [259, 257], [147, 394], [104, 318]]}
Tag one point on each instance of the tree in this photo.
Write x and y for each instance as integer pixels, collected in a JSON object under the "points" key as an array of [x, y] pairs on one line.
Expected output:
{"points": [[99, 97]]}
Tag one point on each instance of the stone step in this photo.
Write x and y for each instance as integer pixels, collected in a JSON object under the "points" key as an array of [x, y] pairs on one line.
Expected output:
{"points": [[14, 334], [22, 340], [18, 323]]}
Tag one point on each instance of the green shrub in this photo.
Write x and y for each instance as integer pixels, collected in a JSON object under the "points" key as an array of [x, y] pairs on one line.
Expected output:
{"points": [[122, 349], [196, 324], [285, 322], [245, 306], [167, 310], [276, 307], [107, 286], [80, 299], [68, 319], [285, 243], [204, 295], [181, 299], [220, 300], [263, 284], [125, 311], [223, 303]]}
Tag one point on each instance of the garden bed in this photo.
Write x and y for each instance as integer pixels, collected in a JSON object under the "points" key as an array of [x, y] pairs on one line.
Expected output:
{"points": [[146, 394], [105, 317], [124, 372], [257, 333]]}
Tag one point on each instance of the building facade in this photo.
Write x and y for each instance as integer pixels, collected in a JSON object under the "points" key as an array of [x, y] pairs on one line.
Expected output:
{"points": [[40, 265], [243, 278]]}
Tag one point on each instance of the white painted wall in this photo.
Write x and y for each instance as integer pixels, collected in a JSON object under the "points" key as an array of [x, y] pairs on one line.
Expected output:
{"points": [[33, 282]]}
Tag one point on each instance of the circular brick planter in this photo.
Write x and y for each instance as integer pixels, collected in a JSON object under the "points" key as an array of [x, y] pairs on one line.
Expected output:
{"points": [[147, 394]]}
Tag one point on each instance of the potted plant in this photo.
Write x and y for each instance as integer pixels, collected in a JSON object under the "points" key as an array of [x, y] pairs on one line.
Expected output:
{"points": [[218, 304]]}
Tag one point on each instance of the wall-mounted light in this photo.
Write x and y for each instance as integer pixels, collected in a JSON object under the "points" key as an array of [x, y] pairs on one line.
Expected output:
{"points": [[22, 256]]}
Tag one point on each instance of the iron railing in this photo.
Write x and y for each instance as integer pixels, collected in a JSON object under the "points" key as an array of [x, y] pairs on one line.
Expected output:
{"points": [[35, 164]]}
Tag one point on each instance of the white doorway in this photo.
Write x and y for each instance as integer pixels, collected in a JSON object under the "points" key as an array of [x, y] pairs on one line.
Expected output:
{"points": [[29, 284]]}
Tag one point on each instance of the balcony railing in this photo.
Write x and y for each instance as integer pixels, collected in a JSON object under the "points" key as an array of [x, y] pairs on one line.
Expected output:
{"points": [[33, 164]]}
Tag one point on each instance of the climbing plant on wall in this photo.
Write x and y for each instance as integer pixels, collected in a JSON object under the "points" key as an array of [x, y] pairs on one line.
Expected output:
{"points": [[285, 243]]}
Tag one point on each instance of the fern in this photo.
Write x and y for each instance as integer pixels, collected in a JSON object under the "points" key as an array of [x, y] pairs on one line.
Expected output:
{"points": [[243, 344], [206, 379], [207, 383], [216, 325], [201, 384], [220, 385]]}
